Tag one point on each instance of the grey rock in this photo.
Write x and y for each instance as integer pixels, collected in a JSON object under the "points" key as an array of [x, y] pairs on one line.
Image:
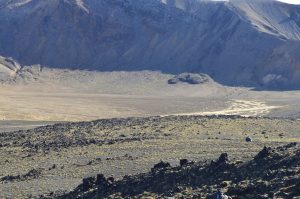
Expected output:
{"points": [[223, 158], [161, 165], [204, 176], [249, 139], [189, 78]]}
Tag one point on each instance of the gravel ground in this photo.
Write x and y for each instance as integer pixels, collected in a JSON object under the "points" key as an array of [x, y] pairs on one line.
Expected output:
{"points": [[57, 157]]}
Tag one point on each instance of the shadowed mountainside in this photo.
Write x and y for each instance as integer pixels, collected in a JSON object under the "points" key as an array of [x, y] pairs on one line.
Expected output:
{"points": [[247, 42]]}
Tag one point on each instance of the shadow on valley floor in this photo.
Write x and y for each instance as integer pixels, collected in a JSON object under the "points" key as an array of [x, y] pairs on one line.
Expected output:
{"points": [[189, 75]]}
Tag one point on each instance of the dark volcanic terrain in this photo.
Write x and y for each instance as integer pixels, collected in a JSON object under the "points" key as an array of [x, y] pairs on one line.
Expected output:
{"points": [[56, 158], [272, 173], [184, 61], [175, 72]]}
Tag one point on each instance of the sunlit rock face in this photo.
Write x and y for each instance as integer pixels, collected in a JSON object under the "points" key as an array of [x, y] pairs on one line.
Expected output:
{"points": [[247, 42]]}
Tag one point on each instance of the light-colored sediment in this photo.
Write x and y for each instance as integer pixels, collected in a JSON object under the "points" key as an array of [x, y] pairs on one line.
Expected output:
{"points": [[240, 107], [58, 95]]}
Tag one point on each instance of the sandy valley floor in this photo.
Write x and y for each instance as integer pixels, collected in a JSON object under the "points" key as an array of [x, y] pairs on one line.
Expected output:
{"points": [[56, 95]]}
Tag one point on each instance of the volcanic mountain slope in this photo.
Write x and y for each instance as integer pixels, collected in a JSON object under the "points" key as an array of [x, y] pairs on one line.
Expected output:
{"points": [[272, 173], [246, 42], [8, 68]]}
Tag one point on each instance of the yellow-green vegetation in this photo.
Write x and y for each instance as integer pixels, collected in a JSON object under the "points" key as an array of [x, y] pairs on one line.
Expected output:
{"points": [[66, 153]]}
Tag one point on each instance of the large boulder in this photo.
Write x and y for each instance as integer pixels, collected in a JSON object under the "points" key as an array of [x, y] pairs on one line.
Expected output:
{"points": [[190, 78]]}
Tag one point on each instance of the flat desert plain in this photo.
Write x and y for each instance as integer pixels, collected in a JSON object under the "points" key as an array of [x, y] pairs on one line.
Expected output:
{"points": [[58, 95]]}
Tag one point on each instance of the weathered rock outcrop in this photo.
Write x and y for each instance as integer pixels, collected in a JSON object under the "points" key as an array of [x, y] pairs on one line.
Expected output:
{"points": [[273, 172], [189, 78]]}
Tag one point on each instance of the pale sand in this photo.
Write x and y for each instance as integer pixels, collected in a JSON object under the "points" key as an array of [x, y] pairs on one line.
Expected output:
{"points": [[240, 107], [56, 95]]}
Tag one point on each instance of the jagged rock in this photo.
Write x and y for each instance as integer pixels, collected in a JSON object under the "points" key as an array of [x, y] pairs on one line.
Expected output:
{"points": [[223, 158], [263, 153], [283, 181], [183, 162], [100, 179], [88, 183], [110, 180], [161, 165]]}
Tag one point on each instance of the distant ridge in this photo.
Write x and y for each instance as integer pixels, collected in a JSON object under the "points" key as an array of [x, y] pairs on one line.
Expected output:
{"points": [[238, 43]]}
